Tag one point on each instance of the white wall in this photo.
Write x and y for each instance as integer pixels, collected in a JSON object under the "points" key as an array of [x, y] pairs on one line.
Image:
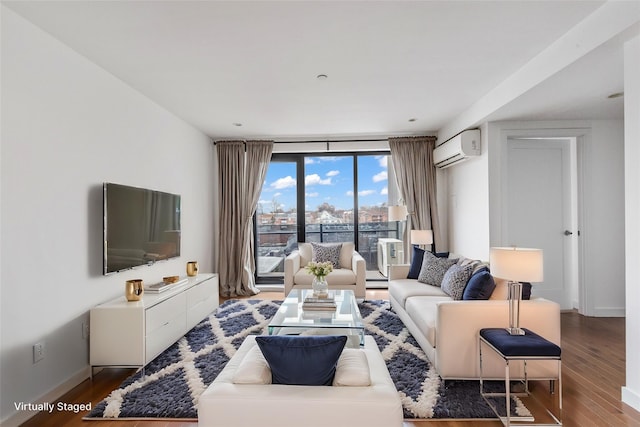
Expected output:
{"points": [[631, 392], [68, 126], [476, 187], [468, 204]]}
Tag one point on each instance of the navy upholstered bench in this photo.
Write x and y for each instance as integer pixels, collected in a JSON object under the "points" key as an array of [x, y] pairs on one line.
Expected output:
{"points": [[529, 346]]}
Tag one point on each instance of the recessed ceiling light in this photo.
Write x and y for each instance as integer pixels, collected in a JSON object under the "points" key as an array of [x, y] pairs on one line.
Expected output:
{"points": [[237, 124], [616, 95], [322, 77]]}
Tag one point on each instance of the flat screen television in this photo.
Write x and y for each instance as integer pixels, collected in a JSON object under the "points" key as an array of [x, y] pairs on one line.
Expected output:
{"points": [[141, 227]]}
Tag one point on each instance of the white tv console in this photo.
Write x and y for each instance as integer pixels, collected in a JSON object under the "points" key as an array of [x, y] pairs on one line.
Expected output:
{"points": [[132, 333]]}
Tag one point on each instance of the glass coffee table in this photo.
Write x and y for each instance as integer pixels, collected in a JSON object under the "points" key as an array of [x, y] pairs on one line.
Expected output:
{"points": [[291, 319]]}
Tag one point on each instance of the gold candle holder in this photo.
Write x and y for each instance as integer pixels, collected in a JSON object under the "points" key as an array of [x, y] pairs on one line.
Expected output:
{"points": [[134, 289], [192, 268]]}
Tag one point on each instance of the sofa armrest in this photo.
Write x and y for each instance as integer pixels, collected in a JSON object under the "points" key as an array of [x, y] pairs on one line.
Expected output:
{"points": [[359, 267], [398, 271], [458, 324], [291, 267]]}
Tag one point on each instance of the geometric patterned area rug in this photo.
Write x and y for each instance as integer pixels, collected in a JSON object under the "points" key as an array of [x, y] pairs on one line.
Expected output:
{"points": [[170, 386]]}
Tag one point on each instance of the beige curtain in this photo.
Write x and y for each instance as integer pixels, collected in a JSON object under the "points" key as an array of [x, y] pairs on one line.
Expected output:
{"points": [[242, 168], [412, 159]]}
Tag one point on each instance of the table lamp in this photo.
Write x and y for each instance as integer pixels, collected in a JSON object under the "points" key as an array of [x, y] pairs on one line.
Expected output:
{"points": [[421, 237], [516, 265]]}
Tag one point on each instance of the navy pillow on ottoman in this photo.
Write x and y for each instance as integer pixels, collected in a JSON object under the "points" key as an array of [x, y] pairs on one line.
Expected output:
{"points": [[479, 286], [302, 360]]}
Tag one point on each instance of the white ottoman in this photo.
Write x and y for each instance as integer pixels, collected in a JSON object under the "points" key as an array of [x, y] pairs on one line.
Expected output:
{"points": [[227, 404]]}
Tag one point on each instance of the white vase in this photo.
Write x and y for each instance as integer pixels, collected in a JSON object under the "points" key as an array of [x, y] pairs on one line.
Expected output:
{"points": [[320, 286]]}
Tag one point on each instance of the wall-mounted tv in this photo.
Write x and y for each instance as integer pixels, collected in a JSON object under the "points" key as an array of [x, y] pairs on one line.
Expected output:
{"points": [[141, 227]]}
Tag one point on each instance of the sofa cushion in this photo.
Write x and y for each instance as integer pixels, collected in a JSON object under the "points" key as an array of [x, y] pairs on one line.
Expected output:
{"points": [[434, 268], [338, 277], [323, 252], [253, 369], [401, 289], [480, 286], [416, 261], [423, 311], [302, 360], [305, 251], [352, 369], [455, 280], [346, 255]]}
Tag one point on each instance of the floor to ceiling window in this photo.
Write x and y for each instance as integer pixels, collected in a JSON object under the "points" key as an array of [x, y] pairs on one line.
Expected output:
{"points": [[327, 198]]}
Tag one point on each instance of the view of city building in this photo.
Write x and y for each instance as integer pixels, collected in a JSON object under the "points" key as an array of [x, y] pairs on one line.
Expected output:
{"points": [[334, 209]]}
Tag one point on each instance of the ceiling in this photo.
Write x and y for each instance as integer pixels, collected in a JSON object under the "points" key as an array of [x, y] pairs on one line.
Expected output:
{"points": [[250, 68]]}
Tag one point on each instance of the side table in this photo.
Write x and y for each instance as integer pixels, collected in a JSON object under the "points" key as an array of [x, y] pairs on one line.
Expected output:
{"points": [[529, 346]]}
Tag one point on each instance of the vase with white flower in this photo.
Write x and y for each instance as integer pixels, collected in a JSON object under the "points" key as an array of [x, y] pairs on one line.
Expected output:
{"points": [[320, 270]]}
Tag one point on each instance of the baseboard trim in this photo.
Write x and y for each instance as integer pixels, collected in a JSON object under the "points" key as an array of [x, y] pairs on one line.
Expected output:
{"points": [[609, 312], [631, 398], [51, 396]]}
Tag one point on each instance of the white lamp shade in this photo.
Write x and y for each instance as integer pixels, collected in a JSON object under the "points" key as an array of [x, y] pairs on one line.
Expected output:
{"points": [[397, 213], [517, 264], [421, 237]]}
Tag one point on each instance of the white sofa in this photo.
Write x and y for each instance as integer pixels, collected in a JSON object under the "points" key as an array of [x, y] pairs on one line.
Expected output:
{"points": [[227, 404], [447, 330], [351, 274]]}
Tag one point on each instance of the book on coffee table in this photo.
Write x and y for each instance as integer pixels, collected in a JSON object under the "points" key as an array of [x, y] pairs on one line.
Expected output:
{"points": [[326, 305]]}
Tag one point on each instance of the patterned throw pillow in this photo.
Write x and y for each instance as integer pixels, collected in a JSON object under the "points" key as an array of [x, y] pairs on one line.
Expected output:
{"points": [[455, 279], [434, 268], [326, 252]]}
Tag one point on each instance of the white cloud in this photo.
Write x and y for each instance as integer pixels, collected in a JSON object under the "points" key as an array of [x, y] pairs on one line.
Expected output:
{"points": [[277, 194], [384, 191], [309, 161], [312, 194], [382, 176], [333, 173], [314, 179], [349, 193], [285, 182], [382, 161], [366, 192]]}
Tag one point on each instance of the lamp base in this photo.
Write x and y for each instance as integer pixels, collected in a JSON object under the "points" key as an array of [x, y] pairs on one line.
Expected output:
{"points": [[515, 331]]}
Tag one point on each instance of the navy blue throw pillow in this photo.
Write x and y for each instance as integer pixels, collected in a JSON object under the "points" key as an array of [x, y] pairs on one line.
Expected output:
{"points": [[526, 290], [479, 286], [302, 360], [416, 263]]}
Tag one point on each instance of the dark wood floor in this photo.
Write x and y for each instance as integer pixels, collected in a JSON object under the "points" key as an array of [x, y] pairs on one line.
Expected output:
{"points": [[593, 372]]}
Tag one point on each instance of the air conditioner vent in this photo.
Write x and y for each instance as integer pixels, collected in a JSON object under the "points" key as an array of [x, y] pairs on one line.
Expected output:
{"points": [[457, 149]]}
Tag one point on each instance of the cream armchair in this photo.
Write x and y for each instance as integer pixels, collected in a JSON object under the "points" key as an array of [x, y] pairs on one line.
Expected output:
{"points": [[350, 275]]}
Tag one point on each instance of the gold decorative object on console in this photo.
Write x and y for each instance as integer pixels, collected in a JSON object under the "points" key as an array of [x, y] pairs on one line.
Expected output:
{"points": [[134, 289], [192, 268], [170, 279]]}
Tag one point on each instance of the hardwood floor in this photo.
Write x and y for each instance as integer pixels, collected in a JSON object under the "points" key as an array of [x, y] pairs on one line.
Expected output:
{"points": [[593, 372]]}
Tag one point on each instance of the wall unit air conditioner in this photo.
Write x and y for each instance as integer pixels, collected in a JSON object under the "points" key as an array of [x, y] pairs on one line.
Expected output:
{"points": [[457, 149]]}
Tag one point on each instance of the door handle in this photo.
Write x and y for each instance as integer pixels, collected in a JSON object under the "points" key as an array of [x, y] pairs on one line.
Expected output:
{"points": [[567, 233]]}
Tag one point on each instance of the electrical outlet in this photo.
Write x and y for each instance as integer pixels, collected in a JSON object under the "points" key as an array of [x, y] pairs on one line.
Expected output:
{"points": [[38, 352], [85, 330]]}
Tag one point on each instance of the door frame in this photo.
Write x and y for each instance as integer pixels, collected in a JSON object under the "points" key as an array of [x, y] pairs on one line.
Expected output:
{"points": [[580, 141]]}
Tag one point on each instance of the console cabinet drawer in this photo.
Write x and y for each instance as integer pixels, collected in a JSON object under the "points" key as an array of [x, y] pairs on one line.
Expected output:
{"points": [[168, 332], [160, 314]]}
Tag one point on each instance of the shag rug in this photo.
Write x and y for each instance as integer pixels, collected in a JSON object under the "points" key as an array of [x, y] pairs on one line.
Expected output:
{"points": [[169, 386]]}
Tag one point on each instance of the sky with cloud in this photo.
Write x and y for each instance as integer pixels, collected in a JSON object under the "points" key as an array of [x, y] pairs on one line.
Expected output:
{"points": [[327, 179]]}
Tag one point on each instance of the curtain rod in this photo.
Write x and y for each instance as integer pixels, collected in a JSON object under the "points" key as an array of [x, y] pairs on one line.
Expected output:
{"points": [[328, 141]]}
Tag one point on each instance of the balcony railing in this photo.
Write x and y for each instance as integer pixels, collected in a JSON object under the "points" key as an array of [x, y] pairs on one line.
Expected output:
{"points": [[275, 242]]}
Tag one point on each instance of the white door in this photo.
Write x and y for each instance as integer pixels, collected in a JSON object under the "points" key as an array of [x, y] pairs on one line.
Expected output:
{"points": [[538, 211]]}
